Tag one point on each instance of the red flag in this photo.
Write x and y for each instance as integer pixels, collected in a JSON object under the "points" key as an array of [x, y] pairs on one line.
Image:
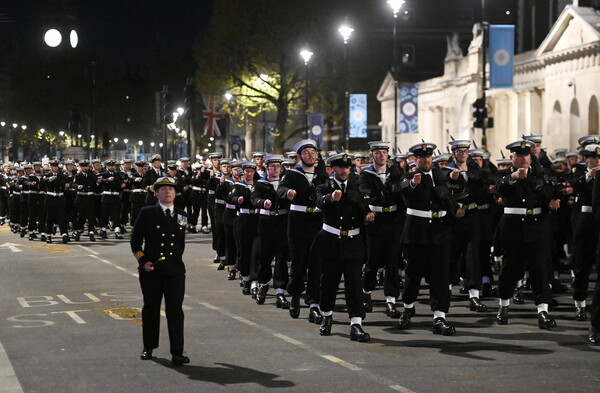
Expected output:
{"points": [[211, 115]]}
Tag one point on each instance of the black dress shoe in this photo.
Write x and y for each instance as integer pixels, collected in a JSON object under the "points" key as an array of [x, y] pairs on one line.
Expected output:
{"points": [[440, 327], [476, 305], [502, 317], [32, 236], [314, 315], [146, 354], [368, 303], [103, 234], [518, 296], [65, 238], [358, 334], [391, 310], [282, 302], [231, 275], [404, 322], [325, 329], [295, 307], [23, 232], [216, 259], [77, 236], [49, 239], [580, 314], [42, 238], [246, 288], [92, 238], [221, 265], [179, 360], [594, 336], [261, 296], [254, 292], [118, 235], [462, 290], [545, 321]]}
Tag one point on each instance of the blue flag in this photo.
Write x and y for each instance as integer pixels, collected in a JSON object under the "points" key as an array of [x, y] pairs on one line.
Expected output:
{"points": [[502, 53], [409, 114], [316, 128], [358, 115]]}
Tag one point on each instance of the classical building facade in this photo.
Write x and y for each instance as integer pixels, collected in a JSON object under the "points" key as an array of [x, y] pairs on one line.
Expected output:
{"points": [[555, 93]]}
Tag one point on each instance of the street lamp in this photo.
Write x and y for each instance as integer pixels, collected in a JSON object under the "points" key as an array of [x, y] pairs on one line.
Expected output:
{"points": [[396, 5], [53, 38], [346, 32], [24, 127], [306, 55], [15, 125]]}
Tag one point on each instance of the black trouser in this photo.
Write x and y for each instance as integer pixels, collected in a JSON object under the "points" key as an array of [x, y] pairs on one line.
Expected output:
{"points": [[125, 207], [15, 209], [218, 231], [520, 256], [382, 251], [429, 261], [332, 268], [230, 243], [85, 212], [3, 203], [210, 209], [198, 199], [246, 230], [24, 204], [153, 289], [304, 266], [596, 299], [111, 209], [585, 247], [465, 251], [486, 227], [135, 210], [271, 242], [55, 214], [37, 213]]}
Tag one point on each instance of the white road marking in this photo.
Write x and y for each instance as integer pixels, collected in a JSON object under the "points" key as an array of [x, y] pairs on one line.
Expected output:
{"points": [[8, 379], [352, 367], [89, 250]]}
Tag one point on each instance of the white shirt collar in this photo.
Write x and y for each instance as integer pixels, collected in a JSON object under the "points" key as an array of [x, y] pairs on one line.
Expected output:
{"points": [[164, 207]]}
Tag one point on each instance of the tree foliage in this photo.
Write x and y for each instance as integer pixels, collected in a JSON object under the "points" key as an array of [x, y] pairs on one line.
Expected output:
{"points": [[251, 50]]}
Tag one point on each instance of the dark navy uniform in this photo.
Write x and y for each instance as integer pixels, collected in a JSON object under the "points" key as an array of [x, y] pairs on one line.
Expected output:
{"points": [[340, 249], [138, 192], [85, 183], [55, 185], [160, 239], [111, 200], [150, 177], [37, 210]]}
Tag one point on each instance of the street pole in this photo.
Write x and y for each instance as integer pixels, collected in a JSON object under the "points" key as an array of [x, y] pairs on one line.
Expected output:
{"points": [[306, 101], [395, 75], [484, 26], [165, 148], [93, 63]]}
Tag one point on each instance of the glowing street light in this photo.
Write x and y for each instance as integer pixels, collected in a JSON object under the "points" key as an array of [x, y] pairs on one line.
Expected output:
{"points": [[141, 143], [15, 125], [346, 31], [396, 6], [61, 133], [152, 144], [228, 96], [2, 123], [116, 140], [306, 55], [42, 130], [24, 127], [53, 38], [74, 39], [126, 140]]}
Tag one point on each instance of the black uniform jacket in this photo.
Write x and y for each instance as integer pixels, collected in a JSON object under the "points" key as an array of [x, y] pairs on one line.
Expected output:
{"points": [[529, 193], [154, 236], [427, 197], [346, 214]]}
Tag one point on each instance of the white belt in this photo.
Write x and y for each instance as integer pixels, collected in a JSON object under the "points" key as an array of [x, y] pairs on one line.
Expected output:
{"points": [[16, 193], [586, 209], [198, 188], [138, 190], [483, 207], [522, 211], [470, 206], [109, 193], [383, 209], [212, 192], [425, 213], [230, 206], [279, 212], [248, 211], [85, 193], [304, 209], [25, 192], [3, 187], [341, 232], [58, 194], [127, 190], [220, 201], [36, 192]]}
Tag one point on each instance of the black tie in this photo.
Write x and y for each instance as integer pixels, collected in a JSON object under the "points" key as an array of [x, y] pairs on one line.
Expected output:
{"points": [[168, 212], [343, 187]]}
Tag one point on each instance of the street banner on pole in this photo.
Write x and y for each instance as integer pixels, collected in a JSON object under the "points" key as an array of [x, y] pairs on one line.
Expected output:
{"points": [[358, 115], [409, 114], [316, 127], [502, 52]]}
